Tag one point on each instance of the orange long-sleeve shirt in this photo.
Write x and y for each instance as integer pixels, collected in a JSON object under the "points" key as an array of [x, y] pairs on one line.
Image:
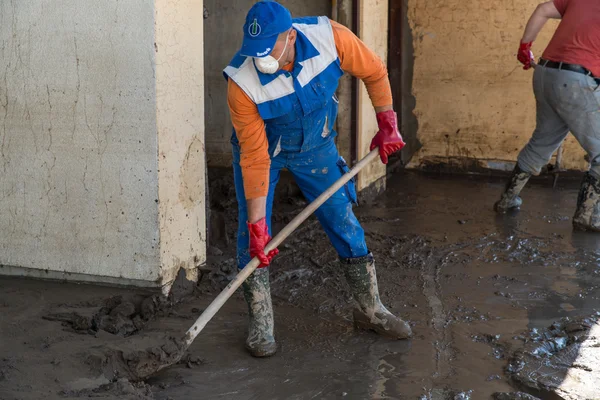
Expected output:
{"points": [[355, 58]]}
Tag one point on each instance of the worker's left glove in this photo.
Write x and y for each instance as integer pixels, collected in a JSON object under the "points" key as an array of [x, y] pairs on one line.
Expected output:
{"points": [[388, 138], [525, 55], [259, 238]]}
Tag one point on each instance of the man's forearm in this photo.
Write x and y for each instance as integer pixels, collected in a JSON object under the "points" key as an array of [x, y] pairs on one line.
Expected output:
{"points": [[533, 28], [257, 209], [538, 19]]}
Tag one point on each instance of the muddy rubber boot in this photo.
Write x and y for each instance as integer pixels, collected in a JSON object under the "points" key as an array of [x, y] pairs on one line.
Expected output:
{"points": [[587, 215], [370, 313], [510, 198], [257, 292]]}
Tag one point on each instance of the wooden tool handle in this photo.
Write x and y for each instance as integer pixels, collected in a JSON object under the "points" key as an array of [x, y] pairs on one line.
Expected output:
{"points": [[218, 302]]}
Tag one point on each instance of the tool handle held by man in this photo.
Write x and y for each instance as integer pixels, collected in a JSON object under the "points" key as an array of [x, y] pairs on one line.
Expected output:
{"points": [[218, 302]]}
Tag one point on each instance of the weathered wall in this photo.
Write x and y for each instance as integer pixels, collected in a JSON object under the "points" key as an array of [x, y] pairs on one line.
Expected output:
{"points": [[78, 181], [90, 93], [372, 29], [473, 100], [180, 120], [346, 88], [222, 43]]}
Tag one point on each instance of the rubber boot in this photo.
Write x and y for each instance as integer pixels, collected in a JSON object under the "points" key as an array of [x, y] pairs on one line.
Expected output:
{"points": [[587, 215], [510, 198], [261, 341], [370, 313]]}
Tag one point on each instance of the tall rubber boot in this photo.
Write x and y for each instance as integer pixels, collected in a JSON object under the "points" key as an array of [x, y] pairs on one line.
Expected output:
{"points": [[370, 313], [510, 198], [587, 215], [257, 292]]}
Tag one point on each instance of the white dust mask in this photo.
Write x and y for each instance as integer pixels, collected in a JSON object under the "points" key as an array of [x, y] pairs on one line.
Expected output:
{"points": [[270, 64]]}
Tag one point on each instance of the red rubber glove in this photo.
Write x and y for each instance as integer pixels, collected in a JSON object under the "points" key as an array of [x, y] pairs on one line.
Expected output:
{"points": [[388, 138], [259, 238], [525, 55]]}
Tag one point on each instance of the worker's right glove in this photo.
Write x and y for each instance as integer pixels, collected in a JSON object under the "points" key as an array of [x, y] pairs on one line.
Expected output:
{"points": [[259, 238], [388, 138], [525, 55]]}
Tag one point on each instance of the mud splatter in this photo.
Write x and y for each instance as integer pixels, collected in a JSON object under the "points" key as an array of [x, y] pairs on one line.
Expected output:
{"points": [[121, 389]]}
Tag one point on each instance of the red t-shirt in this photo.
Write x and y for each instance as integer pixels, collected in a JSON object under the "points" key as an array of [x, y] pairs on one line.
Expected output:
{"points": [[577, 39]]}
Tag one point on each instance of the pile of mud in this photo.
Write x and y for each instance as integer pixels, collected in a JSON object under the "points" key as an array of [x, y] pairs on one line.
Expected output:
{"points": [[554, 357], [123, 364], [117, 315], [296, 273], [137, 358]]}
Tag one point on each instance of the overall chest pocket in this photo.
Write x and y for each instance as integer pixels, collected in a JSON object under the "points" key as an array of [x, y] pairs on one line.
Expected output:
{"points": [[291, 118], [317, 95]]}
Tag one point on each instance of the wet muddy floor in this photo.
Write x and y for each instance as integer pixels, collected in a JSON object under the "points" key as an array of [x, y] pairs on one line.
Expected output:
{"points": [[481, 291]]}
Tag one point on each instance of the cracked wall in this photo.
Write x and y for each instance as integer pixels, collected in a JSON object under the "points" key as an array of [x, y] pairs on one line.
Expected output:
{"points": [[373, 30], [88, 98], [78, 185], [473, 100], [181, 153]]}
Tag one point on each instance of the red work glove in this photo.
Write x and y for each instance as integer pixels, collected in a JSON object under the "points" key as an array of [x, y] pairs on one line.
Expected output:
{"points": [[388, 138], [525, 55], [259, 238]]}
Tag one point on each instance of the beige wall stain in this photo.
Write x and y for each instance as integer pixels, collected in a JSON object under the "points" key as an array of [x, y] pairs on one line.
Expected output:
{"points": [[473, 100], [192, 188], [372, 30], [180, 122]]}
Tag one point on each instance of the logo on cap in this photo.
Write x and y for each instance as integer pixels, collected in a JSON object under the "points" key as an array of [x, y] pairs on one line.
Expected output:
{"points": [[264, 53], [254, 28]]}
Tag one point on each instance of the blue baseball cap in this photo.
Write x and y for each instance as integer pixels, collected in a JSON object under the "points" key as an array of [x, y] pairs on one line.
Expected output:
{"points": [[264, 22]]}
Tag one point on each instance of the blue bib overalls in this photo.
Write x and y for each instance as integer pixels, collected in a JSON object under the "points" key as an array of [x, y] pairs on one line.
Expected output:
{"points": [[299, 109]]}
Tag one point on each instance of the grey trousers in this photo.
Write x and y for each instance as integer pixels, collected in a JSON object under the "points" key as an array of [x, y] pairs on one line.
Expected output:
{"points": [[565, 101]]}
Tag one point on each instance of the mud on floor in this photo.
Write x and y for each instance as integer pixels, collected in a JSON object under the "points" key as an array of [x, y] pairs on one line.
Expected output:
{"points": [[122, 315], [482, 293]]}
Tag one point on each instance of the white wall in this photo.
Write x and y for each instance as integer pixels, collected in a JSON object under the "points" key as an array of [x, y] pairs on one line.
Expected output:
{"points": [[181, 153], [79, 136]]}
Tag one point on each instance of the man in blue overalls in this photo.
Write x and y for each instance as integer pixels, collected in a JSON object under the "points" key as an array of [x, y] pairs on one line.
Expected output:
{"points": [[281, 97]]}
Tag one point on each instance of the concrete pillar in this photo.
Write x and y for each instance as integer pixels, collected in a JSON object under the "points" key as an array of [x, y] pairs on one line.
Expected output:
{"points": [[180, 122], [344, 120], [373, 30], [102, 140]]}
